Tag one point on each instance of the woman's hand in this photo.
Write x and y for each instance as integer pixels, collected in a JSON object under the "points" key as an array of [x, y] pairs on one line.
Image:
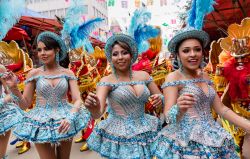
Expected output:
{"points": [[7, 98], [64, 126], [92, 102], [155, 100], [185, 101], [10, 79]]}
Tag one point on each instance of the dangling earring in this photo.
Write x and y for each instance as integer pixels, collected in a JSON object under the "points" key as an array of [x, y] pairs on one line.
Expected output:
{"points": [[202, 64], [180, 64], [57, 57], [42, 64], [130, 72], [114, 71]]}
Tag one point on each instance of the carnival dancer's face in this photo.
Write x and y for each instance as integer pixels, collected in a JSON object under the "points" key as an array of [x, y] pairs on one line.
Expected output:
{"points": [[46, 55], [190, 54], [121, 58]]}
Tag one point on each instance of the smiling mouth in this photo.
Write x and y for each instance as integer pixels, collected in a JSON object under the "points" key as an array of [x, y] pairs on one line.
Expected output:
{"points": [[193, 61], [121, 63]]}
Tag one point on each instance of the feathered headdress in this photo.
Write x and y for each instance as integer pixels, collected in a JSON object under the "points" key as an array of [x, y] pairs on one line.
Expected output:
{"points": [[198, 10], [10, 12], [75, 32], [140, 30]]}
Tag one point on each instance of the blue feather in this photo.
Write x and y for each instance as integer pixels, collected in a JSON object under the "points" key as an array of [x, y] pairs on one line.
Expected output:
{"points": [[73, 18], [192, 14], [199, 9], [140, 30], [88, 46], [86, 28], [80, 34], [143, 34], [143, 46], [140, 17], [10, 12], [76, 33]]}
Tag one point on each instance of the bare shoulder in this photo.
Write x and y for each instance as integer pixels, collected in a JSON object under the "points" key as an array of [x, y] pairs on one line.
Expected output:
{"points": [[141, 75], [67, 72], [173, 76], [109, 79], [34, 72]]}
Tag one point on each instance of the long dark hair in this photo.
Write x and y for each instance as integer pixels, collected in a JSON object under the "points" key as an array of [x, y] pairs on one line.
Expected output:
{"points": [[50, 43]]}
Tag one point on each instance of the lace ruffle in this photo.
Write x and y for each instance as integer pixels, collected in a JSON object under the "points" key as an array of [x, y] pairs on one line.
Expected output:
{"points": [[164, 148], [10, 115], [46, 129], [110, 140], [129, 128]]}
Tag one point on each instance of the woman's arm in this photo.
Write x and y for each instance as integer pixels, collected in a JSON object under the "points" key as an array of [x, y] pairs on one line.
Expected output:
{"points": [[227, 113], [230, 115], [175, 105], [170, 93], [24, 100], [75, 92], [96, 102]]}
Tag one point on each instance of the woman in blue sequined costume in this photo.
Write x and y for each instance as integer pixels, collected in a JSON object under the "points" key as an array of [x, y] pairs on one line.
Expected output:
{"points": [[10, 114], [53, 122], [128, 131], [192, 133]]}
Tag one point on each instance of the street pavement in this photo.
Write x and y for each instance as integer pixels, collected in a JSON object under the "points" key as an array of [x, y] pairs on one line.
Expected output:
{"points": [[12, 152]]}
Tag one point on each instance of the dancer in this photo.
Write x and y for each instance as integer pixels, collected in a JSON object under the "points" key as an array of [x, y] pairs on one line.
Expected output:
{"points": [[53, 122], [10, 114], [128, 131], [191, 131]]}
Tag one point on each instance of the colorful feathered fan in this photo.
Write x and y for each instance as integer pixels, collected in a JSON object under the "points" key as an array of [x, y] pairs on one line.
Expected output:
{"points": [[198, 10], [140, 30], [75, 32], [10, 12]]}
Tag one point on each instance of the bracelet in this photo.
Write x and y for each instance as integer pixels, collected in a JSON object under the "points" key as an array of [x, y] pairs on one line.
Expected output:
{"points": [[224, 112], [15, 98], [171, 117]]}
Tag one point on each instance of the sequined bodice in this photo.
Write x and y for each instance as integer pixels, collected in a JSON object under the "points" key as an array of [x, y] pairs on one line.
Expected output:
{"points": [[202, 109], [47, 94], [197, 124], [124, 102], [127, 117]]}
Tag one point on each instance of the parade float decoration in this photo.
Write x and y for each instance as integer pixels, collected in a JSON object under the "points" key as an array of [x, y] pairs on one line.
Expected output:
{"points": [[101, 61], [88, 69], [232, 74], [84, 67], [18, 61]]}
